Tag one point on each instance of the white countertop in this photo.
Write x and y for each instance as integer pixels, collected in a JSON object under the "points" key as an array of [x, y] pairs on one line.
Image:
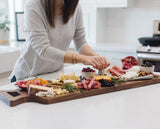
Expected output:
{"points": [[8, 57], [130, 109]]}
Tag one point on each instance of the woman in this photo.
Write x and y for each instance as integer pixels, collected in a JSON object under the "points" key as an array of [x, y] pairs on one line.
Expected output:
{"points": [[50, 25]]}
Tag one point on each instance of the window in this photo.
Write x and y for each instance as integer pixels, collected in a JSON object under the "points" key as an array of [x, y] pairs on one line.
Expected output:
{"points": [[14, 6], [3, 7], [4, 35]]}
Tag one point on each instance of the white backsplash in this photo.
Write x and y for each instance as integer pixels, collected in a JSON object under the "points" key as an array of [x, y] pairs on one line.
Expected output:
{"points": [[121, 27], [114, 57]]}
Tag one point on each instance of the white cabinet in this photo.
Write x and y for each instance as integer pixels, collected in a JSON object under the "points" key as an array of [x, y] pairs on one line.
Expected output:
{"points": [[105, 3], [87, 2], [90, 15], [111, 3], [89, 20]]}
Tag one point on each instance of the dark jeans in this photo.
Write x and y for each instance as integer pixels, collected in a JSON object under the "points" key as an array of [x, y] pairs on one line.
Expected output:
{"points": [[13, 79]]}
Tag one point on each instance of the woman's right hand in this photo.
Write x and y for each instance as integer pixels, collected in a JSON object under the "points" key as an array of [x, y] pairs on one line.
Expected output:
{"points": [[97, 62]]}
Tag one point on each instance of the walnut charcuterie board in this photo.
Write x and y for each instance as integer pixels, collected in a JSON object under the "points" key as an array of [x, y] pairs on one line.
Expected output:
{"points": [[14, 98]]}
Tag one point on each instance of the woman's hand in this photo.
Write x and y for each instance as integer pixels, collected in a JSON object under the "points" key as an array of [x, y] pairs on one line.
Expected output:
{"points": [[92, 58], [97, 62]]}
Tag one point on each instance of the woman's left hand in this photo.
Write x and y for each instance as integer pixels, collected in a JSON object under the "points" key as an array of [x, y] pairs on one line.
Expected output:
{"points": [[103, 61], [97, 62]]}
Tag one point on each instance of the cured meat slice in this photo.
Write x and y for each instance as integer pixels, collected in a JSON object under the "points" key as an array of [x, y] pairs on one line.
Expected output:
{"points": [[91, 84], [84, 84], [119, 70], [114, 72]]}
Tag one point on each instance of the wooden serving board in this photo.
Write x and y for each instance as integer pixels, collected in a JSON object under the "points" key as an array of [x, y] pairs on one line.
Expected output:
{"points": [[14, 98]]}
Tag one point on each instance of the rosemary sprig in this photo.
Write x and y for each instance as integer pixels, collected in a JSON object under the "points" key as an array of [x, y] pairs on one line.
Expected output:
{"points": [[117, 81], [83, 90], [71, 89]]}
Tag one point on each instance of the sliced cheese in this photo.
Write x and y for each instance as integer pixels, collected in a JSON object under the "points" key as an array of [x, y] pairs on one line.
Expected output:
{"points": [[69, 77], [60, 91], [69, 82], [61, 76], [129, 75], [108, 78], [55, 81], [33, 89], [135, 69]]}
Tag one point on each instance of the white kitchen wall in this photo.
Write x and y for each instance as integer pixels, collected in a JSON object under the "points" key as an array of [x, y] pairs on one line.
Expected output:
{"points": [[121, 27], [3, 7], [14, 6]]}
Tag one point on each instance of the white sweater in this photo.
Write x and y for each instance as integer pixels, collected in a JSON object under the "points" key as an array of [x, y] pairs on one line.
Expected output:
{"points": [[45, 46]]}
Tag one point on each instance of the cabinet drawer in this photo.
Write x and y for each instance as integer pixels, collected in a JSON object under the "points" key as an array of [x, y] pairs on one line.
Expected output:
{"points": [[104, 3], [111, 3], [88, 2]]}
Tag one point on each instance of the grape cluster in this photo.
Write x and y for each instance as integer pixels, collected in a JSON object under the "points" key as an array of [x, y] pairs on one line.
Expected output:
{"points": [[88, 69], [147, 64], [105, 83]]}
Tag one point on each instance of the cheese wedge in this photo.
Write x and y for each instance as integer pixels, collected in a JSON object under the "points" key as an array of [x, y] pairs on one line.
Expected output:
{"points": [[55, 81], [97, 78], [69, 77], [69, 82], [33, 89]]}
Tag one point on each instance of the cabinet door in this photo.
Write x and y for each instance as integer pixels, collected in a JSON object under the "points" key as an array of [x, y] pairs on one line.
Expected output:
{"points": [[89, 22], [89, 18], [89, 2], [111, 3], [3, 8]]}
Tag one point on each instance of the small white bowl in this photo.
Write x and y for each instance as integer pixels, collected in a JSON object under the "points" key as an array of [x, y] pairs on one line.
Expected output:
{"points": [[148, 69], [88, 74]]}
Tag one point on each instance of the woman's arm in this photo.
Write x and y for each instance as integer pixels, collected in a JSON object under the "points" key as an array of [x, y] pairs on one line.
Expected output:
{"points": [[37, 35], [100, 62], [87, 56], [87, 50], [96, 61]]}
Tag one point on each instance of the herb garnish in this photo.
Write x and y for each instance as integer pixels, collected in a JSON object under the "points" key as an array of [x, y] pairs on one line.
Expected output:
{"points": [[117, 81], [70, 88]]}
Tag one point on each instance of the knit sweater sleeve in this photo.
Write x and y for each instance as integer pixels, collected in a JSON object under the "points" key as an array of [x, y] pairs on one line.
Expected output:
{"points": [[79, 36], [37, 35]]}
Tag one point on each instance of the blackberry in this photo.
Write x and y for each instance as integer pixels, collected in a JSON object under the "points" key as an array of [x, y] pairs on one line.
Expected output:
{"points": [[105, 83]]}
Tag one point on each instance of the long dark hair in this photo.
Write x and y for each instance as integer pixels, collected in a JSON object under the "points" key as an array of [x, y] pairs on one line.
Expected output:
{"points": [[68, 10]]}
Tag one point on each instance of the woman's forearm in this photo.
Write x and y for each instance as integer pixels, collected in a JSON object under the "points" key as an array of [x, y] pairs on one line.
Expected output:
{"points": [[74, 58], [96, 61], [87, 50]]}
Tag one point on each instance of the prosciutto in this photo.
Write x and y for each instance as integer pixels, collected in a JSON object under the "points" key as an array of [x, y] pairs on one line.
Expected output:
{"points": [[116, 71]]}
